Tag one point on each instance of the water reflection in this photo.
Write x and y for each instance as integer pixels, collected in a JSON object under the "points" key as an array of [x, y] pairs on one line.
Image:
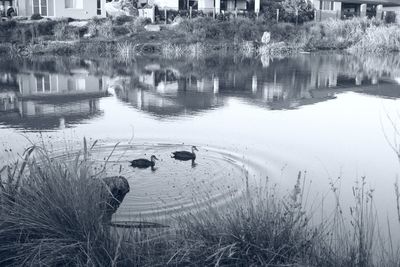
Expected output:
{"points": [[57, 93], [34, 98], [180, 88]]}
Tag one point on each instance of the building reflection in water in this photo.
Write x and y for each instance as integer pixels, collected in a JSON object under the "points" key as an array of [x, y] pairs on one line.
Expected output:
{"points": [[175, 89], [34, 97], [41, 100], [165, 92]]}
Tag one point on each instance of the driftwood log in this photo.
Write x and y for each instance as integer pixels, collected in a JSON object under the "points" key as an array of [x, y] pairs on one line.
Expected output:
{"points": [[116, 188]]}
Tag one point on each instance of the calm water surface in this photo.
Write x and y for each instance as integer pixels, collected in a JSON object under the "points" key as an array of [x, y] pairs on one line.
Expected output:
{"points": [[326, 114]]}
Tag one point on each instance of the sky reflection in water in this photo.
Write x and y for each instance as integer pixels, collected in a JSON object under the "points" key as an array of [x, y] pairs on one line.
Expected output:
{"points": [[324, 113]]}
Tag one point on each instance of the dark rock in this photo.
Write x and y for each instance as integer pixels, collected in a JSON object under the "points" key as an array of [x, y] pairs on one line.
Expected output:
{"points": [[116, 189]]}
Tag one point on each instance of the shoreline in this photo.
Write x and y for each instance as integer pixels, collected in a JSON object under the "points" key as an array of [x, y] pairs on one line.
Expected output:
{"points": [[129, 37]]}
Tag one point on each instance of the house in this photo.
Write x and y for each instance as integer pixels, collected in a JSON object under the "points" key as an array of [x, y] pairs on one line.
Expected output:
{"points": [[206, 6], [345, 9], [78, 9]]}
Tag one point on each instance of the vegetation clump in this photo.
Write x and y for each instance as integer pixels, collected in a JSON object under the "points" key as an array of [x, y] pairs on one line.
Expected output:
{"points": [[52, 213], [36, 16], [224, 32]]}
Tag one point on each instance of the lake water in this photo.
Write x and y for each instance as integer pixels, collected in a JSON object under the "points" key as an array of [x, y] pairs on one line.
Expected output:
{"points": [[326, 114]]}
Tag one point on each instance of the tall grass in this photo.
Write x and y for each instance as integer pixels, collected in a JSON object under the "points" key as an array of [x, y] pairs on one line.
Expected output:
{"points": [[52, 213], [126, 51], [379, 39], [183, 50], [259, 229]]}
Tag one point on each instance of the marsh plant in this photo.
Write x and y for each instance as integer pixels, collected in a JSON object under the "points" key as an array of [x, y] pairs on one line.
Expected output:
{"points": [[51, 214], [379, 39]]}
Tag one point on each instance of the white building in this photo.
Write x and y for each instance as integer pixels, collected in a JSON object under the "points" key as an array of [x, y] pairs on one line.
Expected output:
{"points": [[78, 9]]}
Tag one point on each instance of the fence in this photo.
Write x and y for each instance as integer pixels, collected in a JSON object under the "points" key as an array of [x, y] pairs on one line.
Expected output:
{"points": [[326, 14], [168, 15]]}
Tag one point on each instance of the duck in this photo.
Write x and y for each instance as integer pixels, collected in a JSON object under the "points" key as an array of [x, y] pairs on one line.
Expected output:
{"points": [[185, 155], [144, 163]]}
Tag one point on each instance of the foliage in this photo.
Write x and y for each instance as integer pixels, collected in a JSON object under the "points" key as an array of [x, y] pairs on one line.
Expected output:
{"points": [[287, 11], [208, 29], [52, 213], [100, 28], [303, 8], [120, 30], [7, 27], [121, 20], [337, 34], [379, 39], [268, 10], [36, 17], [284, 32], [390, 17], [46, 27]]}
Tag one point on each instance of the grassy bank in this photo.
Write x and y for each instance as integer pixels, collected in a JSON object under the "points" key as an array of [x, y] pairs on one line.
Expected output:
{"points": [[128, 36], [51, 214]]}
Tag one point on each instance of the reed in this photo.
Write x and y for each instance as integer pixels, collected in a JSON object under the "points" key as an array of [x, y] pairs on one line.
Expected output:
{"points": [[379, 39], [51, 213], [183, 50]]}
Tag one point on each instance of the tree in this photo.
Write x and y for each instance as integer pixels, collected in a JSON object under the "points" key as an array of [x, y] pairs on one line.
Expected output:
{"points": [[297, 11]]}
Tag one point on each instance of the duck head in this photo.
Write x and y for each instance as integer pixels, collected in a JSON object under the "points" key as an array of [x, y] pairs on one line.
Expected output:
{"points": [[194, 148], [153, 158]]}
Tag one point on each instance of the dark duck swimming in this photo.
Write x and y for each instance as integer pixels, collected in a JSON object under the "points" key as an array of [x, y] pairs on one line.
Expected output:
{"points": [[185, 155], [144, 163]]}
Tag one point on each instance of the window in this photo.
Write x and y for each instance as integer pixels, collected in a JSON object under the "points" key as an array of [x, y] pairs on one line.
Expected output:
{"points": [[78, 4], [42, 83], [46, 83], [43, 7], [36, 7], [40, 7], [80, 84], [39, 83], [326, 5], [98, 7], [71, 86]]}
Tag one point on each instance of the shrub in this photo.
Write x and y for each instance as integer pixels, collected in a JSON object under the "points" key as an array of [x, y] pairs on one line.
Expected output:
{"points": [[5, 49], [7, 28], [121, 20], [8, 25], [46, 27], [101, 27], [62, 31], [52, 215], [268, 10], [202, 29], [390, 17], [120, 30], [337, 34], [246, 29], [305, 11], [379, 39], [36, 17], [283, 32]]}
